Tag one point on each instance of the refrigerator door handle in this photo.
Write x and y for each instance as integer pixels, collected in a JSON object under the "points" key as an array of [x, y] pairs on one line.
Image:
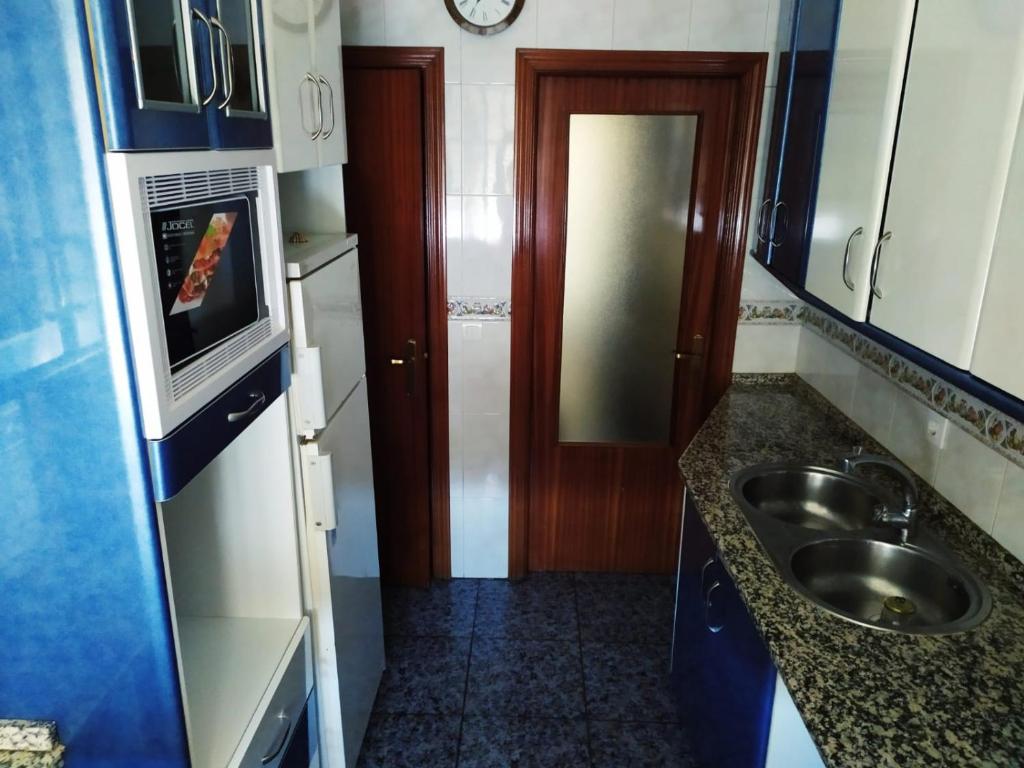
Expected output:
{"points": [[310, 390], [321, 476]]}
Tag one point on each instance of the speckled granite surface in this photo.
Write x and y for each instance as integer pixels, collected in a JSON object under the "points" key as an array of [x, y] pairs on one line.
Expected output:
{"points": [[30, 744], [868, 698]]}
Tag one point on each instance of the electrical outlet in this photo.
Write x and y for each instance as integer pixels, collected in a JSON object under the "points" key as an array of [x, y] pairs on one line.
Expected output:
{"points": [[472, 331], [937, 429]]}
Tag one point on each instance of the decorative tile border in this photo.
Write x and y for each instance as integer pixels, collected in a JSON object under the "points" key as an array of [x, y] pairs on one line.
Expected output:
{"points": [[992, 427], [770, 312], [473, 308]]}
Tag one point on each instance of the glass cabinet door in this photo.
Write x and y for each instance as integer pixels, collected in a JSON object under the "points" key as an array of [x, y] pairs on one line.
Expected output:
{"points": [[163, 54]]}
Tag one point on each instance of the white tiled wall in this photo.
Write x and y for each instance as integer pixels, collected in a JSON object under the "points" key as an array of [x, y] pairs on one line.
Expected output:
{"points": [[981, 482], [479, 112]]}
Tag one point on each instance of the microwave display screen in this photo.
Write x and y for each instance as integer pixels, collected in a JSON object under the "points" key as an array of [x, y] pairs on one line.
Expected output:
{"points": [[208, 267]]}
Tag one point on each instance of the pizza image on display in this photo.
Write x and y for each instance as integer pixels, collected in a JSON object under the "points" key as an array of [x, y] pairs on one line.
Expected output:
{"points": [[204, 264]]}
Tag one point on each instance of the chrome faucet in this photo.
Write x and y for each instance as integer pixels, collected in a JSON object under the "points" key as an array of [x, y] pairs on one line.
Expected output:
{"points": [[906, 520]]}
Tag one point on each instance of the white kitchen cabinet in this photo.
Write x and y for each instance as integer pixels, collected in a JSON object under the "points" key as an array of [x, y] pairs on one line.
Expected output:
{"points": [[961, 106], [864, 102], [999, 347], [306, 91]]}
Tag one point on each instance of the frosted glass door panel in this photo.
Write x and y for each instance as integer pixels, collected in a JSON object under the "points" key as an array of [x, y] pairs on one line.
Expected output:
{"points": [[627, 218]]}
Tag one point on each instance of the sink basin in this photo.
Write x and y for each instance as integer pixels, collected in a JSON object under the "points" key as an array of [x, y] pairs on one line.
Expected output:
{"points": [[888, 586], [809, 497]]}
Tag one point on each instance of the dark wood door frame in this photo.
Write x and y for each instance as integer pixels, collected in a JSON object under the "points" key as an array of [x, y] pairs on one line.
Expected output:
{"points": [[748, 72], [429, 62]]}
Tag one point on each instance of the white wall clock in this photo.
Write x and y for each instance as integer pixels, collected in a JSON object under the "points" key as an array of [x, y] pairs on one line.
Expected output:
{"points": [[484, 17]]}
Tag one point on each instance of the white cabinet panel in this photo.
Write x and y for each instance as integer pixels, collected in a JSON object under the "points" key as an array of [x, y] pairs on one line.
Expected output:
{"points": [[960, 110], [331, 145], [867, 81], [292, 94], [999, 348]]}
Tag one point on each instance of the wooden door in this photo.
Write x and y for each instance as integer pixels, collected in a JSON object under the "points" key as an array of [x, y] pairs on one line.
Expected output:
{"points": [[609, 504], [392, 187]]}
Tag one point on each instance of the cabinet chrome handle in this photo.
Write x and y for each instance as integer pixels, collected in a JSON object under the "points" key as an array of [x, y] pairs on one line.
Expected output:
{"points": [[875, 261], [760, 220], [775, 211], [713, 628], [258, 399], [330, 95], [284, 727], [226, 63], [196, 13], [319, 107], [846, 257], [704, 569]]}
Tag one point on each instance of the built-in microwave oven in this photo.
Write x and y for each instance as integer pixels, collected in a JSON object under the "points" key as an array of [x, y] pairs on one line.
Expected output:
{"points": [[199, 248]]}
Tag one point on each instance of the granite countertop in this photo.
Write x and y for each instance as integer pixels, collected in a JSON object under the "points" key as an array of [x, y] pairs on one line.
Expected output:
{"points": [[30, 744], [869, 698]]}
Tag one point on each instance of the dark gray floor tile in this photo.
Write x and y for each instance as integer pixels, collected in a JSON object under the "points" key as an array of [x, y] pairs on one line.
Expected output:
{"points": [[410, 741], [521, 678], [640, 745], [617, 607], [628, 681], [424, 675], [445, 608], [540, 607], [491, 742]]}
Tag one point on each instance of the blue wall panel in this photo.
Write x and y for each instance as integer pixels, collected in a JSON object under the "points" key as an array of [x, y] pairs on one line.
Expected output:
{"points": [[84, 626]]}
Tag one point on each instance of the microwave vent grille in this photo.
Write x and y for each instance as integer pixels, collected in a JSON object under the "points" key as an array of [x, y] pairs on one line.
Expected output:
{"points": [[206, 367], [176, 188]]}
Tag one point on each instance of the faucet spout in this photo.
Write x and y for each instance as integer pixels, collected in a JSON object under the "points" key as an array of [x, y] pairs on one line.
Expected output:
{"points": [[906, 519]]}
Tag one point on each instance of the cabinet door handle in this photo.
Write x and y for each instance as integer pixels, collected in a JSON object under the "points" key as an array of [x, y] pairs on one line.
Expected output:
{"points": [[258, 399], [330, 95], [226, 64], [846, 257], [703, 572], [785, 220], [319, 107], [875, 261], [284, 727], [761, 238], [196, 13], [713, 628]]}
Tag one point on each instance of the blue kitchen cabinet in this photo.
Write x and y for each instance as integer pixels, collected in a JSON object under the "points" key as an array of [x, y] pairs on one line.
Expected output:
{"points": [[180, 74], [807, 34], [721, 669]]}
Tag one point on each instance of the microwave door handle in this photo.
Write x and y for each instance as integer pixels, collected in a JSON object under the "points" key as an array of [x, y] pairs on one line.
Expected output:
{"points": [[258, 400]]}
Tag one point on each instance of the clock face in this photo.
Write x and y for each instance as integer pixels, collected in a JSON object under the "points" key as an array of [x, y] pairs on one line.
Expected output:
{"points": [[484, 17]]}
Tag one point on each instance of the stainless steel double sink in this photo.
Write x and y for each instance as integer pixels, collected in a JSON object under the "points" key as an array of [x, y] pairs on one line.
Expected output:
{"points": [[822, 530]]}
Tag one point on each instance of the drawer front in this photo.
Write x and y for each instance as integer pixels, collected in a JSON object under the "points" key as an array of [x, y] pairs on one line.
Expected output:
{"points": [[286, 714]]}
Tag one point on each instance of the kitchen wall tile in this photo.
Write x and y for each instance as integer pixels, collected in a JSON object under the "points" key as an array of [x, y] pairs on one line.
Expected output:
{"points": [[909, 435], [874, 400], [759, 285], [971, 476], [485, 456], [363, 22], [766, 348], [1009, 526], [486, 537], [456, 362], [827, 369], [729, 25], [487, 224], [453, 138], [575, 23], [486, 371], [492, 59], [453, 244], [457, 533], [651, 25], [488, 116], [427, 23]]}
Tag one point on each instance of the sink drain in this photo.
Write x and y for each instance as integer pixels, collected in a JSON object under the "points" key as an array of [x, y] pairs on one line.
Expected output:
{"points": [[896, 610]]}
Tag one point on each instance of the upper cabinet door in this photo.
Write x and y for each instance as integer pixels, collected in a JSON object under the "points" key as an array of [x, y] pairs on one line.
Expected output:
{"points": [[864, 102], [240, 114], [333, 148], [294, 91], [997, 349], [960, 109], [155, 73]]}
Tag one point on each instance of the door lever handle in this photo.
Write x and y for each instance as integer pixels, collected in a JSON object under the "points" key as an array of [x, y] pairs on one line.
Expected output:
{"points": [[409, 363]]}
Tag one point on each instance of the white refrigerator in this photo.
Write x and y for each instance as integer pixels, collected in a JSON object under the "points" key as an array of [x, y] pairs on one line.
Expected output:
{"points": [[332, 418]]}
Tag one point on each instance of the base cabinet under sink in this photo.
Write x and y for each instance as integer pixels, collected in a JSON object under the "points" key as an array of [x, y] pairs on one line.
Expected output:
{"points": [[722, 672]]}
